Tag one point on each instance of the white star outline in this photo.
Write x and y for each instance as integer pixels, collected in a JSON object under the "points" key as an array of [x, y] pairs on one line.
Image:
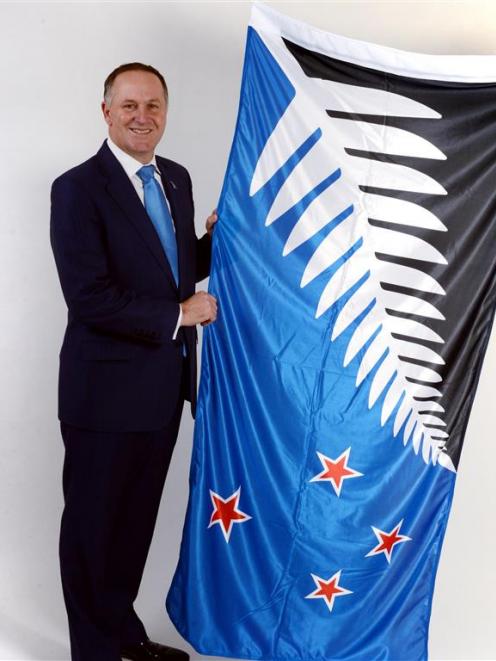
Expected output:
{"points": [[246, 517], [388, 552], [337, 487], [329, 603]]}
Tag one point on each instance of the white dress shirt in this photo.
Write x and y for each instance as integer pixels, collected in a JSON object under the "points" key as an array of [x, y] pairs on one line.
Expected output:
{"points": [[131, 167]]}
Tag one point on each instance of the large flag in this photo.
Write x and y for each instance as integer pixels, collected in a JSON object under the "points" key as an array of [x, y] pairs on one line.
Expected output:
{"points": [[355, 267]]}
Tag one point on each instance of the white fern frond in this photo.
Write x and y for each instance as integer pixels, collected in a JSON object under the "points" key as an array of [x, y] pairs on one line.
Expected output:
{"points": [[361, 255], [392, 210]]}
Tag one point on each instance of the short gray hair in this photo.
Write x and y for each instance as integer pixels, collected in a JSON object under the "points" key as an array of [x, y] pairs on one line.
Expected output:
{"points": [[131, 66]]}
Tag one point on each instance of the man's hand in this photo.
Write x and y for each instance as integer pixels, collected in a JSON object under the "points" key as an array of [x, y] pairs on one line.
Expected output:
{"points": [[211, 220], [201, 308]]}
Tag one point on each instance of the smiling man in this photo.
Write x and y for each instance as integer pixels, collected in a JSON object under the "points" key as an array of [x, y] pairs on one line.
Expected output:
{"points": [[124, 242]]}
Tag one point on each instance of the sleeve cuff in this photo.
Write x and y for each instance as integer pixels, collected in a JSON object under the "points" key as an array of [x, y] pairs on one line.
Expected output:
{"points": [[179, 322]]}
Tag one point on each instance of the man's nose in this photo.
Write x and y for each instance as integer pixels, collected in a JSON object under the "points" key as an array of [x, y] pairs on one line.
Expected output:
{"points": [[141, 115]]}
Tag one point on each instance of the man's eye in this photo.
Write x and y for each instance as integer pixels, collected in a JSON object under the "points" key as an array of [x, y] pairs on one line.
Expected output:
{"points": [[128, 106]]}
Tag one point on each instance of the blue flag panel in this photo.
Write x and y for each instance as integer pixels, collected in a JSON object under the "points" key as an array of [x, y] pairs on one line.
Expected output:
{"points": [[356, 285]]}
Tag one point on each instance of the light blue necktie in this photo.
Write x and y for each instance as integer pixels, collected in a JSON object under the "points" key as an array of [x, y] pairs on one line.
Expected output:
{"points": [[156, 207]]}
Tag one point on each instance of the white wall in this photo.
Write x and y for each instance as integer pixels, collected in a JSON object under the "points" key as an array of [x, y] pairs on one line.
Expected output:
{"points": [[53, 60]]}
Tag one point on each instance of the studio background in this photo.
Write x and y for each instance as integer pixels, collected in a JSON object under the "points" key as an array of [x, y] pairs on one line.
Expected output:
{"points": [[53, 60]]}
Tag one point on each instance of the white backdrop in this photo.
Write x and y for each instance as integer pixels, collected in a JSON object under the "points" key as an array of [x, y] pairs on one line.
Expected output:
{"points": [[53, 60]]}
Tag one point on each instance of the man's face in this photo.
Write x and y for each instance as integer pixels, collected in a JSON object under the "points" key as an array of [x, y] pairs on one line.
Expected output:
{"points": [[136, 113]]}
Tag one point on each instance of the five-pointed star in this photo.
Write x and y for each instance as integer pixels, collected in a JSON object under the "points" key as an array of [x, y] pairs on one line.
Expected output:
{"points": [[226, 512], [336, 470], [387, 541], [328, 589]]}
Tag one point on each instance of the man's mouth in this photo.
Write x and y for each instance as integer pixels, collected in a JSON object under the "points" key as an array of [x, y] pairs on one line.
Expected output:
{"points": [[141, 131]]}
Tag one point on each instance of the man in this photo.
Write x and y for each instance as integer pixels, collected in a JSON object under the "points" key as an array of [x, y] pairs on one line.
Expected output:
{"points": [[128, 258]]}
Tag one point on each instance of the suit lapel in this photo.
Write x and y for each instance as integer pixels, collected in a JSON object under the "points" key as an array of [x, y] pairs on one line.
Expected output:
{"points": [[174, 192], [124, 194]]}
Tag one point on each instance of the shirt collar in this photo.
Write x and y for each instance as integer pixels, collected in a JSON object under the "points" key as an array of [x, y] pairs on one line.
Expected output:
{"points": [[130, 164]]}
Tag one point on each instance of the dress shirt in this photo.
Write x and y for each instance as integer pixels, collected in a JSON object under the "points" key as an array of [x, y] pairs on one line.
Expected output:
{"points": [[131, 167]]}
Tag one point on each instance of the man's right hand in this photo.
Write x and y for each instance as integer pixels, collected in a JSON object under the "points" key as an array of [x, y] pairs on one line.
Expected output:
{"points": [[201, 308]]}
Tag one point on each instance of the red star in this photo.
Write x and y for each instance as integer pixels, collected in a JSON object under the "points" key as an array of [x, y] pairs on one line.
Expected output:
{"points": [[328, 589], [226, 512], [335, 470], [387, 541]]}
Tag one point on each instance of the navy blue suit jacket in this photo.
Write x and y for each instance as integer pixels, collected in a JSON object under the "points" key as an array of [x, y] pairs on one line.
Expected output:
{"points": [[120, 369]]}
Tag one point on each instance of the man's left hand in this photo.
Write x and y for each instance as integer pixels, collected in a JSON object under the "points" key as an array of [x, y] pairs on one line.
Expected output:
{"points": [[211, 220]]}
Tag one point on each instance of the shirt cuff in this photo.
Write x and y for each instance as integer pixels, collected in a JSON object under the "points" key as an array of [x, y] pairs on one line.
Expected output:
{"points": [[179, 322]]}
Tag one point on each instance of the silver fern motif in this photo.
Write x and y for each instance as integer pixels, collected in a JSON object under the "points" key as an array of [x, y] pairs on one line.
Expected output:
{"points": [[421, 419]]}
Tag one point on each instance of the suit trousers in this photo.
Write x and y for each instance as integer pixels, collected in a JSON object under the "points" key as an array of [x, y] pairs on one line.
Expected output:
{"points": [[112, 485]]}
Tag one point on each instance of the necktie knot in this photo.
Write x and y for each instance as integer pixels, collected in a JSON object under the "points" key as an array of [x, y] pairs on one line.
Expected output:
{"points": [[146, 173]]}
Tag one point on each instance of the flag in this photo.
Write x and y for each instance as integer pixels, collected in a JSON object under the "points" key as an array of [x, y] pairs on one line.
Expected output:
{"points": [[355, 267]]}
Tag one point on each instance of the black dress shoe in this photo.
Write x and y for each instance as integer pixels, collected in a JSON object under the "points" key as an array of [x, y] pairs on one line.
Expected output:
{"points": [[150, 651]]}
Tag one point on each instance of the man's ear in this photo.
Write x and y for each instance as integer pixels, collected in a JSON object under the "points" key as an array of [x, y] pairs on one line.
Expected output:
{"points": [[106, 113]]}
